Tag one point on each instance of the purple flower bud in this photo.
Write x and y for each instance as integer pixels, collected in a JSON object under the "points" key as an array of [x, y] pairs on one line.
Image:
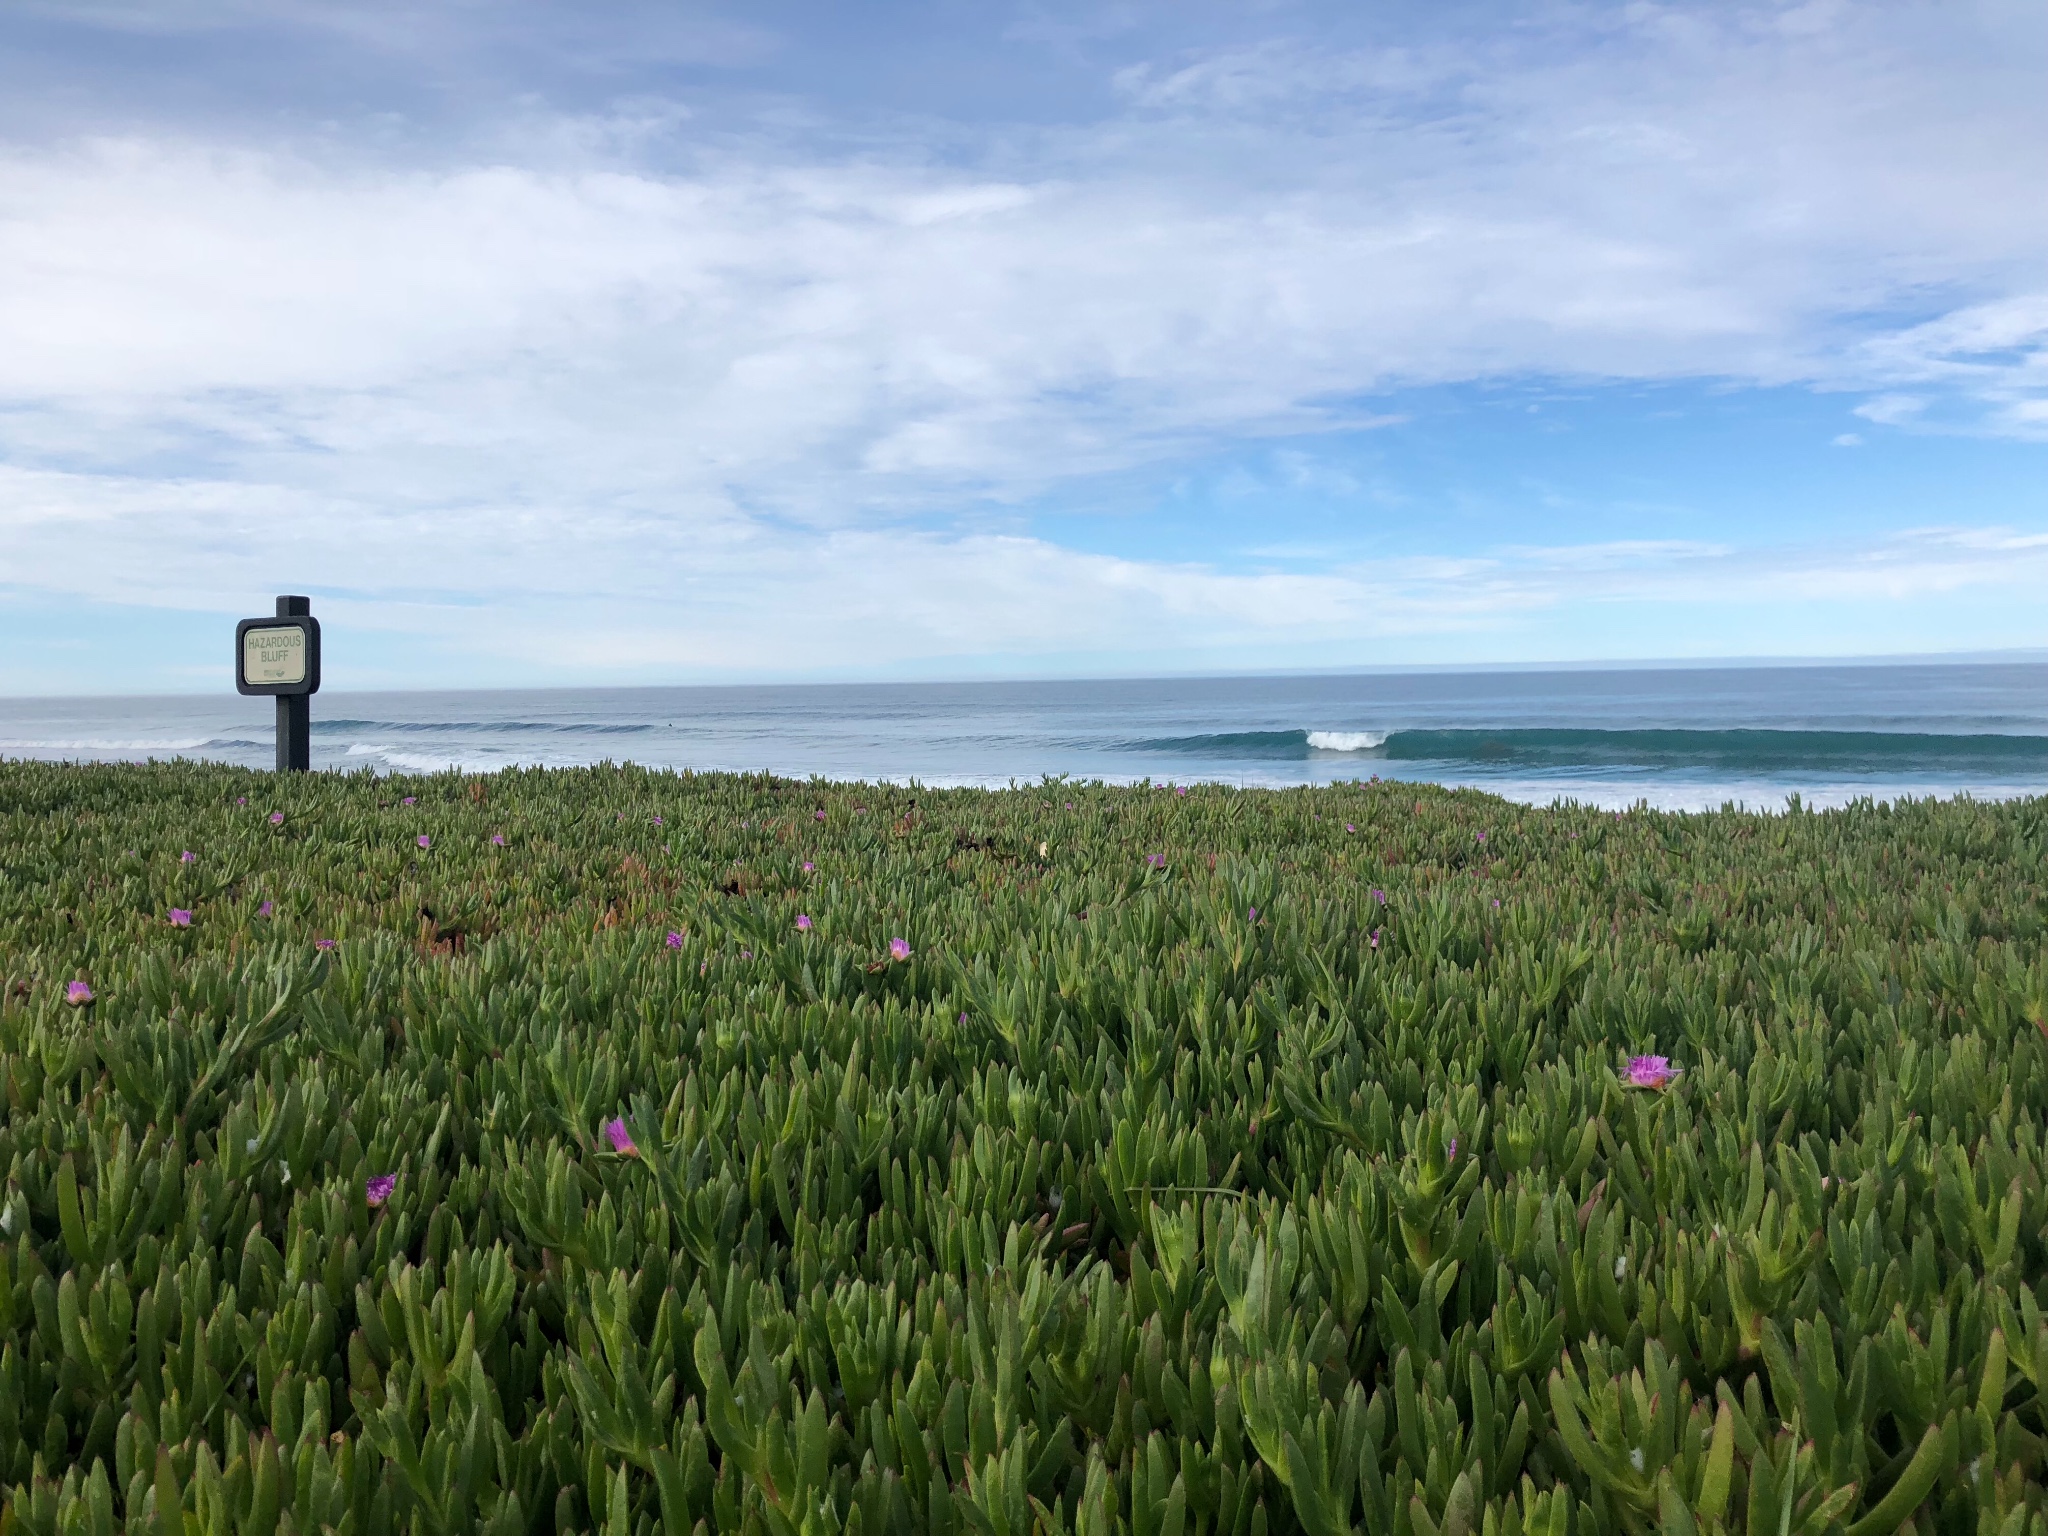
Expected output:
{"points": [[675, 940], [277, 818], [423, 840], [323, 943], [1653, 1072], [264, 910], [188, 857], [803, 922], [615, 1132], [180, 918], [808, 866], [377, 1188], [821, 815], [1451, 1152], [497, 839], [77, 994], [899, 949]]}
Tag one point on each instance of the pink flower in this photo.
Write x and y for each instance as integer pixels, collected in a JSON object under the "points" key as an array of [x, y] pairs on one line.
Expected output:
{"points": [[410, 800], [77, 994], [1375, 938], [323, 943], [1349, 828], [1070, 805], [808, 867], [241, 799], [820, 815], [497, 839], [180, 918], [803, 923], [1651, 1072], [657, 821], [746, 954], [277, 818], [675, 940], [1251, 914], [188, 857], [424, 841], [264, 910], [899, 949], [615, 1131], [377, 1188], [1451, 1153], [1482, 837], [1181, 790], [1379, 896]]}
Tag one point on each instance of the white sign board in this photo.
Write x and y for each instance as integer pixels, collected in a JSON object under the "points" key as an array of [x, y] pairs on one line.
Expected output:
{"points": [[275, 654]]}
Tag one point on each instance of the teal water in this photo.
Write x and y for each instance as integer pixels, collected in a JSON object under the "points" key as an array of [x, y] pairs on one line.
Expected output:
{"points": [[1679, 737]]}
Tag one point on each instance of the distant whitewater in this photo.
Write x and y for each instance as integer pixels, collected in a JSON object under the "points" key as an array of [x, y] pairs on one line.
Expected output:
{"points": [[1678, 738]]}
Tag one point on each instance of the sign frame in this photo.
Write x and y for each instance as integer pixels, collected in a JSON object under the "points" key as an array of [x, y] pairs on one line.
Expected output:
{"points": [[310, 684]]}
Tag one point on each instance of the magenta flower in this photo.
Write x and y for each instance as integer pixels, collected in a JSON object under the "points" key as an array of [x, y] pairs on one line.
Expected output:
{"points": [[803, 922], [1651, 1072], [899, 949], [1482, 837], [1251, 914], [1451, 1152], [277, 818], [264, 910], [188, 857], [180, 918], [1070, 805], [615, 1131], [963, 1018], [1349, 828], [241, 799], [1181, 790], [77, 994], [497, 839], [821, 815], [1375, 938], [377, 1188], [675, 940], [424, 840], [410, 800], [1379, 896], [323, 943], [808, 866], [657, 821]]}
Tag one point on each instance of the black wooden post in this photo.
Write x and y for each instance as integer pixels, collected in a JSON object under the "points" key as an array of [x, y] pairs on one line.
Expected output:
{"points": [[294, 710]]}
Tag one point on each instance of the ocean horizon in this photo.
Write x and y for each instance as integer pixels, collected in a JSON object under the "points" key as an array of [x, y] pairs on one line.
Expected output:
{"points": [[1682, 738]]}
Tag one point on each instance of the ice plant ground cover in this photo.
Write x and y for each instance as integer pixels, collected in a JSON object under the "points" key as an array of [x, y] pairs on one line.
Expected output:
{"points": [[1037, 1184]]}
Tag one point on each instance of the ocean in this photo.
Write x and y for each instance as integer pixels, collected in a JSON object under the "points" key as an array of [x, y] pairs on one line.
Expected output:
{"points": [[1677, 738]]}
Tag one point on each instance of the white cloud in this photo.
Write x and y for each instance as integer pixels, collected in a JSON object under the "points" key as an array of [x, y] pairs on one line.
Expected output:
{"points": [[796, 389]]}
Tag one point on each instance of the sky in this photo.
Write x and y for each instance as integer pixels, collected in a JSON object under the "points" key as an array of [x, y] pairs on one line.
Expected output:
{"points": [[673, 342]]}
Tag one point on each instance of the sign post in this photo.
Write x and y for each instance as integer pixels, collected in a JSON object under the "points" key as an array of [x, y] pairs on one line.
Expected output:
{"points": [[281, 656]]}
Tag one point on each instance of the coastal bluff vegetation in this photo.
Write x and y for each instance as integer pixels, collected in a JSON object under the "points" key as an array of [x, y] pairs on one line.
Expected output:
{"points": [[653, 1154]]}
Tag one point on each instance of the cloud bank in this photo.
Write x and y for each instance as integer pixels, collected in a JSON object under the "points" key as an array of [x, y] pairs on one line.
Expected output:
{"points": [[798, 384]]}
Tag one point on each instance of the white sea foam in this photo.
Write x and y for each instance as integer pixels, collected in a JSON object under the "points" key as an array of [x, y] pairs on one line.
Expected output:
{"points": [[1346, 741]]}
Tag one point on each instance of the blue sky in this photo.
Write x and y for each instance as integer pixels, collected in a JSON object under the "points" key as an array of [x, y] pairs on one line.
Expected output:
{"points": [[643, 343]]}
